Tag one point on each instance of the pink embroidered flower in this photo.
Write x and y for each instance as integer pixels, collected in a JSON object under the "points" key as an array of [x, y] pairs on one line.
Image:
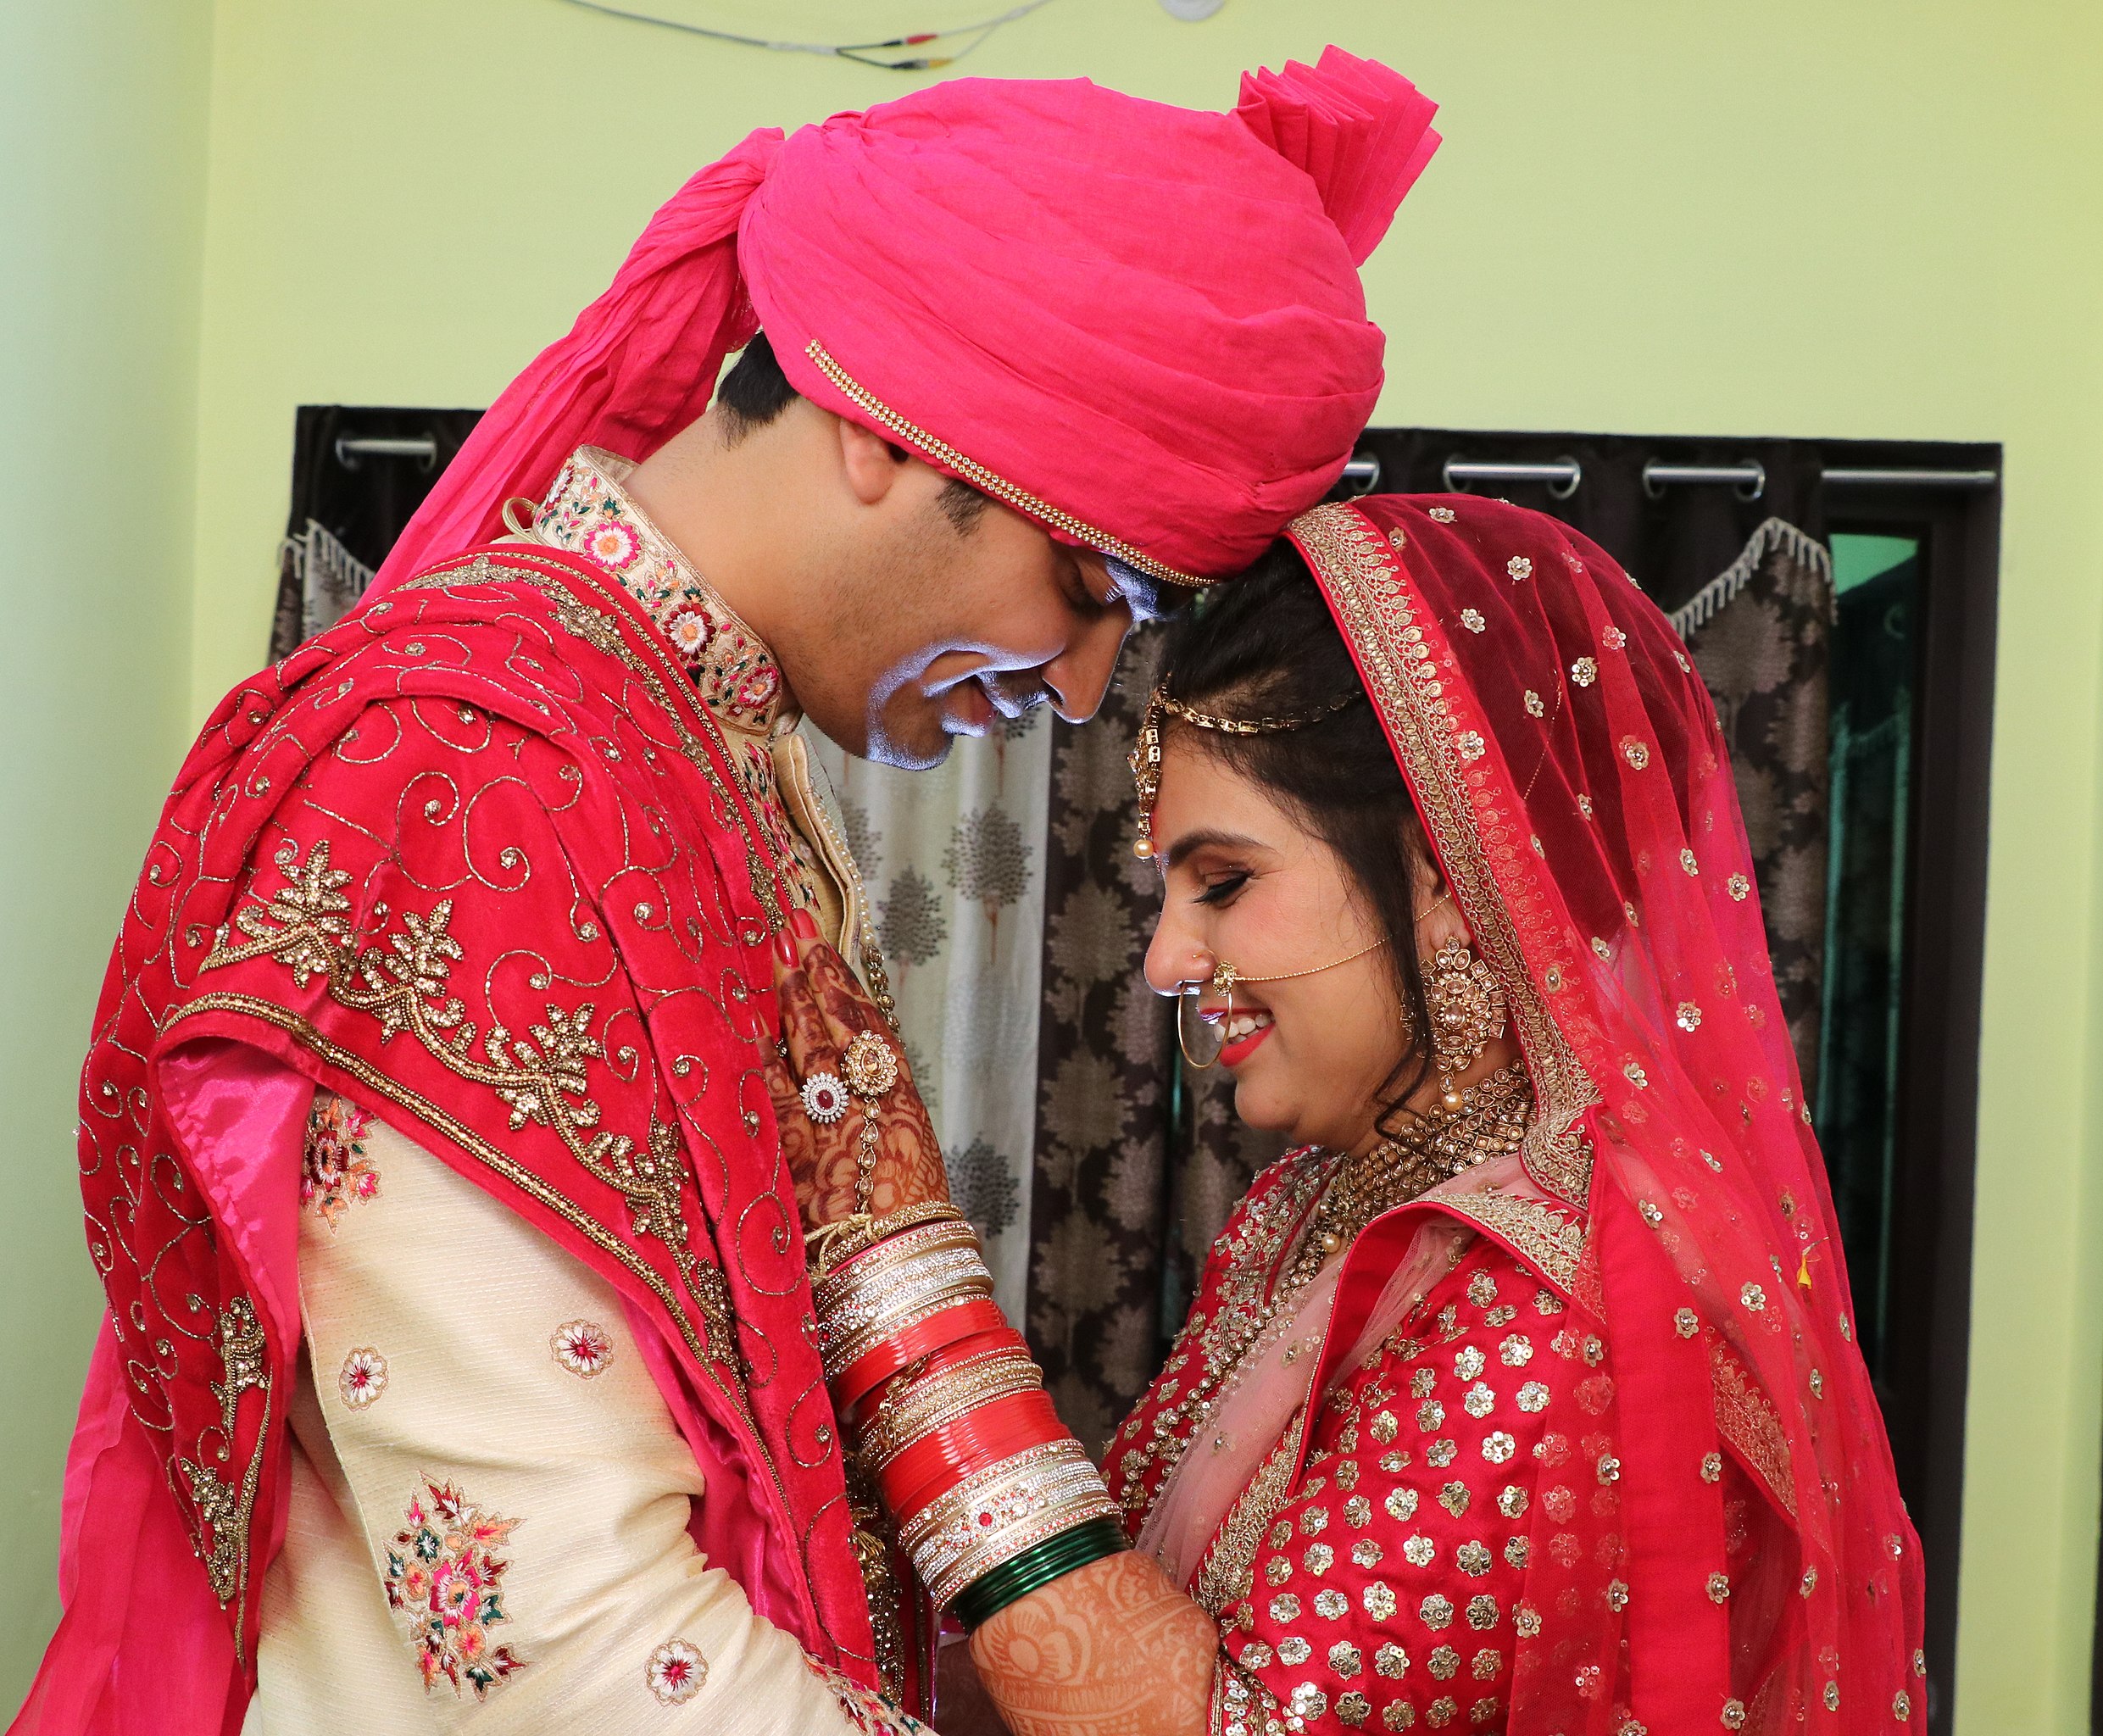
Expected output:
{"points": [[757, 688], [334, 1170], [444, 1578], [1444, 514], [582, 1347], [363, 1378], [612, 544], [676, 1671], [690, 632]]}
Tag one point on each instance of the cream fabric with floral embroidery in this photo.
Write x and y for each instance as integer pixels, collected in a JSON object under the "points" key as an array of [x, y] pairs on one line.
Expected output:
{"points": [[490, 1500]]}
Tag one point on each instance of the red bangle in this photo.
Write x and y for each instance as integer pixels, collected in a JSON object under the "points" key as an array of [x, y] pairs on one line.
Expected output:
{"points": [[964, 1320], [864, 1409], [944, 1456]]}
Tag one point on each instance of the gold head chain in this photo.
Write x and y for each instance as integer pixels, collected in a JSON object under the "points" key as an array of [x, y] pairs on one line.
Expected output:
{"points": [[1146, 752]]}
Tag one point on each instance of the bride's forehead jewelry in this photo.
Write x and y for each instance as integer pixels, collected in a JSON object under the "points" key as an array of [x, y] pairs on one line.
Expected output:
{"points": [[1146, 753]]}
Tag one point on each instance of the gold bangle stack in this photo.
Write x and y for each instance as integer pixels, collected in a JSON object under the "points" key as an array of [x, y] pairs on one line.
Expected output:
{"points": [[914, 1406], [897, 1284], [996, 1514]]}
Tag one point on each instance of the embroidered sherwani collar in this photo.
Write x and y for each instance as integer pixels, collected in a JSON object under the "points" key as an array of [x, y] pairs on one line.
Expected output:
{"points": [[589, 512]]}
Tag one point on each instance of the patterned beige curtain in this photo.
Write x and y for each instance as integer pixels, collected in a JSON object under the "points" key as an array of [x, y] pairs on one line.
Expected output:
{"points": [[1761, 633], [1137, 1162], [952, 862]]}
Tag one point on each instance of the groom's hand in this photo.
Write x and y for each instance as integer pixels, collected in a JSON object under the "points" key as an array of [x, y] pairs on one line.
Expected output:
{"points": [[823, 1009]]}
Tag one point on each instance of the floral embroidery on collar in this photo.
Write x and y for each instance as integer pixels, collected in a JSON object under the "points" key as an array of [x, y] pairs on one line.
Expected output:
{"points": [[588, 512]]}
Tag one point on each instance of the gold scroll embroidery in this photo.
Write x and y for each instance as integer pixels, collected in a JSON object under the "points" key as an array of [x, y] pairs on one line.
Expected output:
{"points": [[1228, 1573], [598, 628], [540, 1076], [1365, 577], [1548, 1239], [1745, 1419], [229, 1507]]}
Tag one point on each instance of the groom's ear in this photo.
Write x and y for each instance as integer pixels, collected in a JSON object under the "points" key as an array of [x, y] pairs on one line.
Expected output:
{"points": [[872, 465]]}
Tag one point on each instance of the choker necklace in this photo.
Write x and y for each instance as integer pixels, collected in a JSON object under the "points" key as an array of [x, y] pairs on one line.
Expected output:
{"points": [[1489, 1120]]}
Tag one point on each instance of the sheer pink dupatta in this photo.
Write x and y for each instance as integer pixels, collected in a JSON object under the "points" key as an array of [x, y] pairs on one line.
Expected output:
{"points": [[1567, 762]]}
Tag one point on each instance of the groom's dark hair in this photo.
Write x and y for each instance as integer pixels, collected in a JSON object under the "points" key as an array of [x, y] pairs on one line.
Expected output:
{"points": [[756, 391], [1265, 645]]}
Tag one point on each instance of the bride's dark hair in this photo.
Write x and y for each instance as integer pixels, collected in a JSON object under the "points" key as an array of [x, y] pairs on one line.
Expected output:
{"points": [[1265, 645]]}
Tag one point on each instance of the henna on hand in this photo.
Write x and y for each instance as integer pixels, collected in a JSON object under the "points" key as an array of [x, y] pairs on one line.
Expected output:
{"points": [[1112, 1648], [824, 1008]]}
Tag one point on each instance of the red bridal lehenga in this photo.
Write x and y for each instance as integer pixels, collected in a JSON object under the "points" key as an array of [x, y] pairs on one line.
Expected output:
{"points": [[1579, 1440]]}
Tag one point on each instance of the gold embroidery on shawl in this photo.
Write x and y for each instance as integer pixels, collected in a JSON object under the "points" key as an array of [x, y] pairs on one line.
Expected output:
{"points": [[229, 1508], [987, 482], [404, 985], [1547, 1239], [1745, 1419], [1365, 577], [1228, 1573], [599, 629]]}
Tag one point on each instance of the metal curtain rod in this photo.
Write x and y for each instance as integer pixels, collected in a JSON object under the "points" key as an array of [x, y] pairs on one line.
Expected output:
{"points": [[351, 448], [1563, 475]]}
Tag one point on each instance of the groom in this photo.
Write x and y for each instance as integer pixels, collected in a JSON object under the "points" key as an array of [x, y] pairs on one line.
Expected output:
{"points": [[460, 1359]]}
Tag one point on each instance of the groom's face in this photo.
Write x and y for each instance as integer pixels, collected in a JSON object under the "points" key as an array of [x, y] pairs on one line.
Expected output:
{"points": [[946, 629]]}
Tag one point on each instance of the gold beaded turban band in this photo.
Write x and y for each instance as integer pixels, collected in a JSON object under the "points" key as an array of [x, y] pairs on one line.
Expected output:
{"points": [[1146, 753]]}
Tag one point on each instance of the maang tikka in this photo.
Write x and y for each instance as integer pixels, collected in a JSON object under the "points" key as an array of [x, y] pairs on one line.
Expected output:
{"points": [[1467, 1011]]}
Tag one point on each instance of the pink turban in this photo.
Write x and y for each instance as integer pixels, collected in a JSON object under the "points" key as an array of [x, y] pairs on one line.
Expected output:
{"points": [[1141, 326]]}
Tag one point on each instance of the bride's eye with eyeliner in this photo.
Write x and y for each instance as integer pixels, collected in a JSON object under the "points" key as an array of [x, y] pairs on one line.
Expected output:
{"points": [[1219, 891]]}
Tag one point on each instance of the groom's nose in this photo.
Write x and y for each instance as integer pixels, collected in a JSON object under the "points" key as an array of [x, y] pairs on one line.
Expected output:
{"points": [[1079, 675]]}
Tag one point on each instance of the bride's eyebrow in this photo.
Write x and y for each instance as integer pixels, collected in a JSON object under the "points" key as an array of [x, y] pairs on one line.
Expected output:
{"points": [[1193, 841]]}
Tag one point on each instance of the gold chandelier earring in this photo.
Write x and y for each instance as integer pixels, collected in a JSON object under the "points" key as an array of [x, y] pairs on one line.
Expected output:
{"points": [[1467, 1011]]}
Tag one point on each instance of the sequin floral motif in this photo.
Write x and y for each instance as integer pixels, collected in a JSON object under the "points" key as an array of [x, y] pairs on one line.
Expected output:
{"points": [[445, 1578], [588, 512], [335, 1173]]}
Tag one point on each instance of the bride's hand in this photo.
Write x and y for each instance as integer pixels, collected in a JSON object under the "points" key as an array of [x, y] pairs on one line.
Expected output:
{"points": [[1110, 1649], [824, 1010]]}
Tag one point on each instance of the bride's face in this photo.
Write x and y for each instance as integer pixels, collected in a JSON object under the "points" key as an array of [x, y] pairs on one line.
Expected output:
{"points": [[1245, 883]]}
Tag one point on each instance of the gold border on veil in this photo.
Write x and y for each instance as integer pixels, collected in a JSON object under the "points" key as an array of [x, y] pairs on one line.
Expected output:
{"points": [[1408, 670]]}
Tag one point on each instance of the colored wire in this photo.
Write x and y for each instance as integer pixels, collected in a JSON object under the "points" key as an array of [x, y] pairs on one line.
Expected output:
{"points": [[865, 54]]}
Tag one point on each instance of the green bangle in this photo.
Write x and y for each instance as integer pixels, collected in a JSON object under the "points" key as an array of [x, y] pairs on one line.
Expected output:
{"points": [[1035, 1568]]}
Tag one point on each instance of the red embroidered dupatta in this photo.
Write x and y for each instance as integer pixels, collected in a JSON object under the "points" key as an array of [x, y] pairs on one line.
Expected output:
{"points": [[474, 860], [1718, 1542], [1567, 762]]}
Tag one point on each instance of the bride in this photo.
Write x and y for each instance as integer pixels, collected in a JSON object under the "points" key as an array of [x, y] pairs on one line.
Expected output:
{"points": [[1523, 1396]]}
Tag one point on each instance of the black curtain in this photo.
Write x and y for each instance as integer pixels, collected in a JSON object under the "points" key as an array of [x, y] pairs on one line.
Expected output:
{"points": [[348, 509], [1671, 541]]}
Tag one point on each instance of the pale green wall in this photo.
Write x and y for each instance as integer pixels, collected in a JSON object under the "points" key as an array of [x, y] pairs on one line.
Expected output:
{"points": [[1869, 219], [102, 207]]}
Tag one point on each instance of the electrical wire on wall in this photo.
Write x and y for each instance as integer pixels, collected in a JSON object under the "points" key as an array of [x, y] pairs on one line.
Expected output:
{"points": [[878, 53]]}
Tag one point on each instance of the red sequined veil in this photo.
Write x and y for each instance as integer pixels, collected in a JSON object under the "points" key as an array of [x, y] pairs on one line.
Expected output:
{"points": [[1566, 760]]}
